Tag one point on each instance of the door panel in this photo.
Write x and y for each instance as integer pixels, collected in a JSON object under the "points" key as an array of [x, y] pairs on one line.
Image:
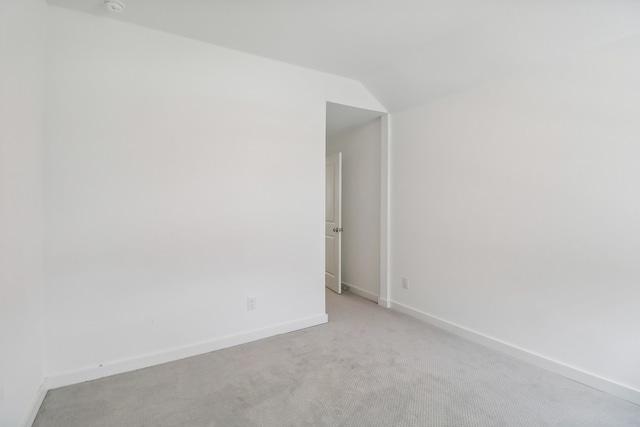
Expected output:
{"points": [[333, 223]]}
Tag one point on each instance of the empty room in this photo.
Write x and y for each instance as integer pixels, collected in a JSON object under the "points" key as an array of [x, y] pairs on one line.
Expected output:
{"points": [[323, 213]]}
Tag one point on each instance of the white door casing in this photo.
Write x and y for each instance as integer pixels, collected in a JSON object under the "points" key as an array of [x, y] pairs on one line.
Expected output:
{"points": [[333, 223]]}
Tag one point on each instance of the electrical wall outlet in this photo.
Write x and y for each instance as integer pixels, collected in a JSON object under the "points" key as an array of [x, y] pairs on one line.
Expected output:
{"points": [[405, 283], [251, 303]]}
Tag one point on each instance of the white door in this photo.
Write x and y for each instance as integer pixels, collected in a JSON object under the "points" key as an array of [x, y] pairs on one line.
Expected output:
{"points": [[333, 224]]}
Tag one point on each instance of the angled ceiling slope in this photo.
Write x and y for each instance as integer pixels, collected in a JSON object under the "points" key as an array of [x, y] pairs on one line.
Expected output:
{"points": [[406, 52]]}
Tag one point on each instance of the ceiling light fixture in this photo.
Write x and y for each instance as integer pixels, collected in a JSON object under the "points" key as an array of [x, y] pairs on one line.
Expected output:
{"points": [[116, 6]]}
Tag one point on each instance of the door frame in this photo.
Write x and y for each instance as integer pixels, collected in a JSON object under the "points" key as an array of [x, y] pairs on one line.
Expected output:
{"points": [[385, 225], [384, 298]]}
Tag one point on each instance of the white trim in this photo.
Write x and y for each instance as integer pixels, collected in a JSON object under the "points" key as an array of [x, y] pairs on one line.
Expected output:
{"points": [[575, 374], [37, 402], [385, 217], [385, 303], [359, 291], [88, 374]]}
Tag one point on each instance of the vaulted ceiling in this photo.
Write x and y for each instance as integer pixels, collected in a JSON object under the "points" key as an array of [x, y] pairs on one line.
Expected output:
{"points": [[406, 52]]}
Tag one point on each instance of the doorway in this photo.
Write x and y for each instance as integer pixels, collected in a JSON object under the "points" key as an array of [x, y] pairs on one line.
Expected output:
{"points": [[362, 138]]}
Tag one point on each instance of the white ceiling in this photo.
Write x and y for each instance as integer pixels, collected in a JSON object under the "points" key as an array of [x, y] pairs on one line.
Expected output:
{"points": [[406, 52]]}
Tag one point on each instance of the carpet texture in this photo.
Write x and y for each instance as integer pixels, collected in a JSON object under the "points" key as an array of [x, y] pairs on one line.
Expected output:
{"points": [[367, 367]]}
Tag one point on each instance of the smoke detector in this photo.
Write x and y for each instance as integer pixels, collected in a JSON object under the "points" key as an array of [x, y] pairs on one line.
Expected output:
{"points": [[116, 6]]}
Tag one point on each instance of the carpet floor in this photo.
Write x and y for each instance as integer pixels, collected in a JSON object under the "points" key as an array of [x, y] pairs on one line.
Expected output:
{"points": [[367, 367]]}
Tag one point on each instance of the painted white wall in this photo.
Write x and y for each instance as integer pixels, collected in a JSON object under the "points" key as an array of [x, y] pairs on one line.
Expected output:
{"points": [[360, 147], [515, 211], [21, 139], [181, 178]]}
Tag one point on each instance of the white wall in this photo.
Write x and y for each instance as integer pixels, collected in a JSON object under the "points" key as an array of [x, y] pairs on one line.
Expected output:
{"points": [[360, 149], [21, 138], [181, 178], [515, 211]]}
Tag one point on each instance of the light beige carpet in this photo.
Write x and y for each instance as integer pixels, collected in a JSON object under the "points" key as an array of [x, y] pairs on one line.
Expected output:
{"points": [[367, 367]]}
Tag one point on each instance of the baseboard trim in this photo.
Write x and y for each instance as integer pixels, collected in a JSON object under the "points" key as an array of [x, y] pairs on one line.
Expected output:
{"points": [[359, 291], [384, 303], [37, 402], [145, 361], [575, 374]]}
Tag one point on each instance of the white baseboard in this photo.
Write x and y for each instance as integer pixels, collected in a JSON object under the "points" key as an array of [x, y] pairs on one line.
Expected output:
{"points": [[384, 302], [37, 402], [575, 374], [359, 291], [145, 361]]}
